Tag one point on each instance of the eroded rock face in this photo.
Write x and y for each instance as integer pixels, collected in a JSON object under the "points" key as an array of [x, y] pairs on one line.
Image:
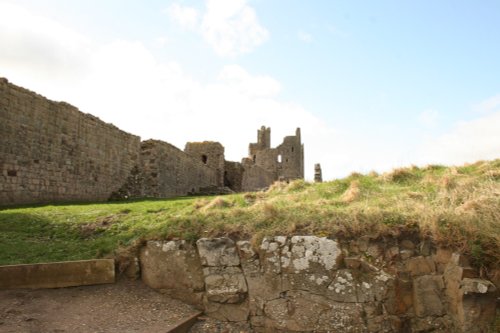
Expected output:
{"points": [[316, 284]]}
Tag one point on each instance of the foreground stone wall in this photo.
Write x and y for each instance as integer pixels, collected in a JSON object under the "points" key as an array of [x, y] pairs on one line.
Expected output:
{"points": [[50, 151], [307, 283]]}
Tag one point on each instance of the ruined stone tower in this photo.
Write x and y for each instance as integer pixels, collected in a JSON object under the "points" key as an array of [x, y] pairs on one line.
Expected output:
{"points": [[285, 162], [291, 158], [263, 142], [263, 166], [318, 176], [209, 153]]}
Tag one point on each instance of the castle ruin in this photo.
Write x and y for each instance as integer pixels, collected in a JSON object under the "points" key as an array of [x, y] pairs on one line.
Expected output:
{"points": [[52, 152]]}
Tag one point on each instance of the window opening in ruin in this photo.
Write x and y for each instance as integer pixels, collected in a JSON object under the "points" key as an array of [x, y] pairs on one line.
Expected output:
{"points": [[226, 180], [292, 149], [254, 158], [279, 158], [286, 160], [204, 158]]}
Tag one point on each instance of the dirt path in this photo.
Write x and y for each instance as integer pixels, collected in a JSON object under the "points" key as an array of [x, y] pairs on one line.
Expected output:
{"points": [[127, 306]]}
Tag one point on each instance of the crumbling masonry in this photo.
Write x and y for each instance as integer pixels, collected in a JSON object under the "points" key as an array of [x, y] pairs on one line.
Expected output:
{"points": [[52, 152]]}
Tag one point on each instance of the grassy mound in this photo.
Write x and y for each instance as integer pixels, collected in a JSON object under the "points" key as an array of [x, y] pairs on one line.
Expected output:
{"points": [[457, 207]]}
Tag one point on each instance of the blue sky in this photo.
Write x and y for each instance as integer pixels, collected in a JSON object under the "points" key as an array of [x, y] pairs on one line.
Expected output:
{"points": [[373, 84]]}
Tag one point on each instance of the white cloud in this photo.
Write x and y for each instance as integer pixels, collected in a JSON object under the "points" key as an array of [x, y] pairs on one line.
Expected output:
{"points": [[429, 118], [467, 142], [304, 37], [229, 27], [488, 105], [48, 46], [186, 17]]}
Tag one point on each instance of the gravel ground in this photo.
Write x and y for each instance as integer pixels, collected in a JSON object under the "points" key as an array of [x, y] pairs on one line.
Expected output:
{"points": [[127, 306]]}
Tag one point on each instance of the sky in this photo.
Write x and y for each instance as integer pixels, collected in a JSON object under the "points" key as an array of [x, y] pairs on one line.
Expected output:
{"points": [[373, 85]]}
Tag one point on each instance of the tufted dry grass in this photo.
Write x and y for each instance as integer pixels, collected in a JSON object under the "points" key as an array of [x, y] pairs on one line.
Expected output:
{"points": [[457, 207]]}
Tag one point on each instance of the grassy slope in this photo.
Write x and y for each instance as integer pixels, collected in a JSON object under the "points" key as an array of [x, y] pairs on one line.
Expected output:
{"points": [[458, 207]]}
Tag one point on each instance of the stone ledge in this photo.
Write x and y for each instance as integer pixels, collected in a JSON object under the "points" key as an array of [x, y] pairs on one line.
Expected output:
{"points": [[57, 274]]}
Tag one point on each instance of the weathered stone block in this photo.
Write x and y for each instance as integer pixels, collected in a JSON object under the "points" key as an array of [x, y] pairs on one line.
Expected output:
{"points": [[420, 266], [217, 252], [174, 268], [428, 295], [245, 251], [374, 287], [227, 311], [399, 297], [476, 286], [306, 251], [343, 287], [225, 284], [296, 311], [341, 317], [262, 281]]}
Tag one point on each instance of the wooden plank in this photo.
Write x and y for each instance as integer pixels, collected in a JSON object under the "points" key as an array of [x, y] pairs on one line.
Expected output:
{"points": [[57, 274]]}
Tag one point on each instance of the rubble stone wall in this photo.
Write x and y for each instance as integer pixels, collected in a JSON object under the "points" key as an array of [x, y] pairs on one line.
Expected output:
{"points": [[50, 151], [317, 284]]}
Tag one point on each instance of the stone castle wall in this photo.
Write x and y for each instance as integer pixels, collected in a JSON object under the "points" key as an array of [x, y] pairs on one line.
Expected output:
{"points": [[169, 172], [50, 151], [233, 175], [256, 178]]}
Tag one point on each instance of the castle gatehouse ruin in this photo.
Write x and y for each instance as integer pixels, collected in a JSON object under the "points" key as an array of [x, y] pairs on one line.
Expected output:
{"points": [[52, 152]]}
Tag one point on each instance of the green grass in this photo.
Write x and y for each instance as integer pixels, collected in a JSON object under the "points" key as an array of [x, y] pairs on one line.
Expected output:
{"points": [[457, 207]]}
